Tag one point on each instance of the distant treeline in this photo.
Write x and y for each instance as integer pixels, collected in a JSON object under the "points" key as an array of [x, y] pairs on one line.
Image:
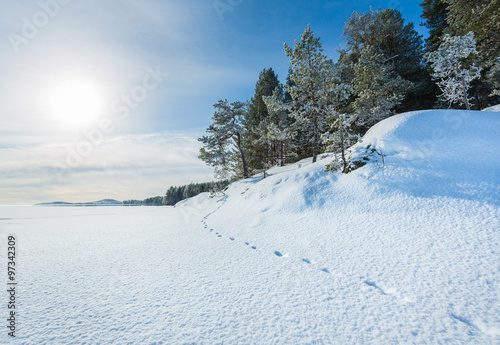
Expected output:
{"points": [[154, 201], [176, 194]]}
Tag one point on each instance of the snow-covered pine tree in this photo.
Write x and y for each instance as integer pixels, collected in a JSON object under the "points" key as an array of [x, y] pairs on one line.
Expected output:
{"points": [[401, 47], [339, 141], [256, 148], [218, 154], [378, 90], [222, 148], [310, 74], [494, 78], [483, 18], [448, 67], [278, 129]]}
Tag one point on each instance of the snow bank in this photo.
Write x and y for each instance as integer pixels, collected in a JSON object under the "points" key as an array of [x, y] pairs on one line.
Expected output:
{"points": [[493, 108], [404, 252]]}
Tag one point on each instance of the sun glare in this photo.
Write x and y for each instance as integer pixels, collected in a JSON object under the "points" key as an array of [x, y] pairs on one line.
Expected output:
{"points": [[76, 104]]}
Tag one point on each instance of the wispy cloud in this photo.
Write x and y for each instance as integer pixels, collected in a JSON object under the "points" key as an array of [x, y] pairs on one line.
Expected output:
{"points": [[133, 166]]}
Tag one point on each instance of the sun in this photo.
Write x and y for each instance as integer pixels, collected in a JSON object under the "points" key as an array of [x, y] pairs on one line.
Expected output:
{"points": [[77, 104]]}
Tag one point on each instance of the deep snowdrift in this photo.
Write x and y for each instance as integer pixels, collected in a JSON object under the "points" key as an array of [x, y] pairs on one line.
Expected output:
{"points": [[411, 249]]}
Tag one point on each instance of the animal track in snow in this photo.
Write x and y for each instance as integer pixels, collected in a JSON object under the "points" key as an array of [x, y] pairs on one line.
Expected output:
{"points": [[374, 285], [463, 320], [280, 254], [387, 292]]}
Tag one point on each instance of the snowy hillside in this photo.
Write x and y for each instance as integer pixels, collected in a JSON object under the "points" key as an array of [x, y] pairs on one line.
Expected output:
{"points": [[404, 250], [408, 252]]}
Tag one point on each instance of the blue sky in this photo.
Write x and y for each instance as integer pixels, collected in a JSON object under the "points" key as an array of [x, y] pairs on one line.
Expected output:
{"points": [[106, 98]]}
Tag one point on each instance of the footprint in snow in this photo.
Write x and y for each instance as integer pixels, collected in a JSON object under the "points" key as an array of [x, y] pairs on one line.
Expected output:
{"points": [[277, 253], [232, 239], [254, 247], [219, 235], [465, 321], [307, 261], [325, 270], [247, 243], [374, 285]]}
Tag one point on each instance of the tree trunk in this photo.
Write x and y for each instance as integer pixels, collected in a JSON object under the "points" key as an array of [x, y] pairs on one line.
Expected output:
{"points": [[245, 168], [466, 99], [282, 161], [342, 144], [315, 115], [315, 133]]}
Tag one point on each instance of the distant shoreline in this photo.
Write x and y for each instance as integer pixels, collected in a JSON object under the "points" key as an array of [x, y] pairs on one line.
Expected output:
{"points": [[105, 202]]}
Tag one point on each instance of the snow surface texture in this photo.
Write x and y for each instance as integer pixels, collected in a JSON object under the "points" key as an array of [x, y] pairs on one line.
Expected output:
{"points": [[406, 253]]}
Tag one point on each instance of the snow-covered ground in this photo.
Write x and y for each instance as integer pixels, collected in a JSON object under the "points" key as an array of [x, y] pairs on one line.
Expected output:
{"points": [[405, 249], [493, 108]]}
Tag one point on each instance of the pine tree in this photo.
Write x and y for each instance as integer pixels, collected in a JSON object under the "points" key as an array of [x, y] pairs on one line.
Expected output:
{"points": [[311, 78], [494, 79], [378, 91], [218, 154], [448, 65], [257, 150], [223, 146], [435, 14], [483, 18], [278, 131], [300, 143], [341, 139], [400, 48]]}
